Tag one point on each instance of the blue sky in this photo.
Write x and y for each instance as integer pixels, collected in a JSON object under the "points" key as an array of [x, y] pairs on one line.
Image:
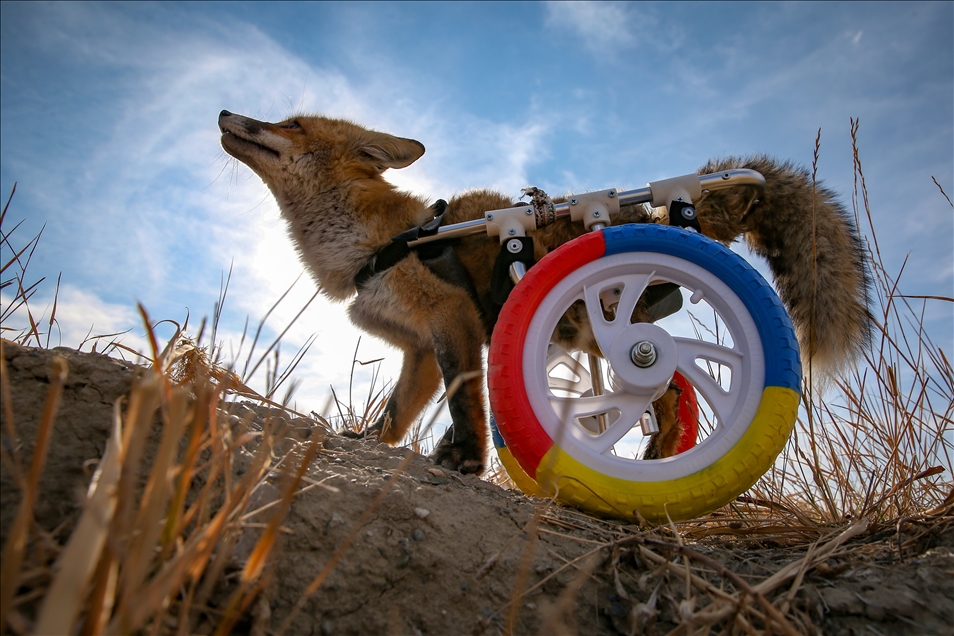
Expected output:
{"points": [[109, 128]]}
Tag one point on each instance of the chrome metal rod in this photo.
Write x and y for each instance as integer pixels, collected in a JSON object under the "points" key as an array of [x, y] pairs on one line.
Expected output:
{"points": [[596, 380], [517, 271]]}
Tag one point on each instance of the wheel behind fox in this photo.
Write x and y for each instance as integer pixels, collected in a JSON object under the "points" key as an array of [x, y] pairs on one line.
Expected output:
{"points": [[582, 446]]}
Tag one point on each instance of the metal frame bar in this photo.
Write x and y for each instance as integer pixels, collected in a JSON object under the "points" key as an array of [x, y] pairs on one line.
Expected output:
{"points": [[708, 182]]}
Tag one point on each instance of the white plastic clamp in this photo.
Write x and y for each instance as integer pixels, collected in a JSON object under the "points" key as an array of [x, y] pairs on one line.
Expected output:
{"points": [[594, 207], [685, 188], [510, 222]]}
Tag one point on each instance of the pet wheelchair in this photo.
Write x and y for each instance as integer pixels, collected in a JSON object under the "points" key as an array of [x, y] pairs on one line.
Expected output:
{"points": [[573, 425]]}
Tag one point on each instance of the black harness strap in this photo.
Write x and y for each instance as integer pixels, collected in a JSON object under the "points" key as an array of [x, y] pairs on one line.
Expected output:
{"points": [[398, 249]]}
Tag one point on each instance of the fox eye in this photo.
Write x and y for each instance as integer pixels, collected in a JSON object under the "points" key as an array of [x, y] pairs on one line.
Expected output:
{"points": [[292, 125]]}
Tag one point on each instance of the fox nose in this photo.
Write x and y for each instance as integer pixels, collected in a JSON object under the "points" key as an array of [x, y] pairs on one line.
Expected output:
{"points": [[224, 113]]}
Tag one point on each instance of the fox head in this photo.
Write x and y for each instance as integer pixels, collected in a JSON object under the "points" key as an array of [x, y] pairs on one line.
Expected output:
{"points": [[325, 175], [294, 156]]}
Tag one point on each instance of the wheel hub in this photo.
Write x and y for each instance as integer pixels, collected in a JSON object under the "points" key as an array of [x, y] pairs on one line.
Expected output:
{"points": [[643, 358]]}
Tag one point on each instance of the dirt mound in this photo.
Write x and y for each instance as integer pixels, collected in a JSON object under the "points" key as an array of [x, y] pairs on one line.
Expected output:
{"points": [[389, 543]]}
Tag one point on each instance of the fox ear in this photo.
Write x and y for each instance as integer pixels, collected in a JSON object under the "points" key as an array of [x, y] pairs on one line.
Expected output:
{"points": [[387, 151]]}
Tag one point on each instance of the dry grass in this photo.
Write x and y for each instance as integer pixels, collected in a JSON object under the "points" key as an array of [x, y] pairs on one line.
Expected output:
{"points": [[147, 549], [877, 444], [871, 453]]}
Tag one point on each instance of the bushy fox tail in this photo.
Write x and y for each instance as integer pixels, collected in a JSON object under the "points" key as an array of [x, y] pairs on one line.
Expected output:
{"points": [[812, 247]]}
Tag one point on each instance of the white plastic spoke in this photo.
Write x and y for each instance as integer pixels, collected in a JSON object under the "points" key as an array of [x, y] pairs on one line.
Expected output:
{"points": [[565, 384], [631, 408], [560, 364], [723, 402], [605, 330]]}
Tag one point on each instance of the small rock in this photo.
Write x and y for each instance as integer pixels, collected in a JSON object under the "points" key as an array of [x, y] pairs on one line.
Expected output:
{"points": [[437, 472], [422, 513], [418, 534]]}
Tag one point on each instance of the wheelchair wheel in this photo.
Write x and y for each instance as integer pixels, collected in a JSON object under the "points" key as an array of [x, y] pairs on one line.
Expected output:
{"points": [[745, 370]]}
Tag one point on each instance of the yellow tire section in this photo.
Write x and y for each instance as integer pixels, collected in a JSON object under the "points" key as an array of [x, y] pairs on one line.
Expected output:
{"points": [[678, 499]]}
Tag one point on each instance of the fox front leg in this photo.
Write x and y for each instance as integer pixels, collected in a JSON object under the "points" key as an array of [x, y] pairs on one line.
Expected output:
{"points": [[457, 345], [464, 444]]}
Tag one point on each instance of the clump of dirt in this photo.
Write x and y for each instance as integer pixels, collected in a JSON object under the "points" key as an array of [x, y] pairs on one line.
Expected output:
{"points": [[390, 543]]}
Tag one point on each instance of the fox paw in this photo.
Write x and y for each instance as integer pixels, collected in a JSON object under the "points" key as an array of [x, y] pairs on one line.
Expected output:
{"points": [[463, 457], [368, 432]]}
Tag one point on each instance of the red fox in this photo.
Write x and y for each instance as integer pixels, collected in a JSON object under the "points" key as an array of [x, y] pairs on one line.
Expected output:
{"points": [[439, 309]]}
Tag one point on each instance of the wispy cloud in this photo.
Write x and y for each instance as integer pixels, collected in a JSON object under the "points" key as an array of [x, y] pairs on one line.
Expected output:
{"points": [[598, 25], [81, 318], [612, 29]]}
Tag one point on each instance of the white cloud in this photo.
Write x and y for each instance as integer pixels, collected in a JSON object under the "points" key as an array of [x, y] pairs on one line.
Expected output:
{"points": [[81, 319], [601, 26]]}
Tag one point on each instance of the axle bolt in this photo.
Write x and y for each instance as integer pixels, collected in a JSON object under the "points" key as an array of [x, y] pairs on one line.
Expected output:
{"points": [[643, 354]]}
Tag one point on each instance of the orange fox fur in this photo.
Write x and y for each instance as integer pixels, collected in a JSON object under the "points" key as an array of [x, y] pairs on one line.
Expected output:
{"points": [[326, 175]]}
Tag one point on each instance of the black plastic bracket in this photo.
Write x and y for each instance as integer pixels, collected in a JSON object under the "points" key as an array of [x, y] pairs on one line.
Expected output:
{"points": [[682, 214], [501, 284]]}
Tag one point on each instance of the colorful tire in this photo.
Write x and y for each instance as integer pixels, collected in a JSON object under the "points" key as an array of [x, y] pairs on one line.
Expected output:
{"points": [[753, 416]]}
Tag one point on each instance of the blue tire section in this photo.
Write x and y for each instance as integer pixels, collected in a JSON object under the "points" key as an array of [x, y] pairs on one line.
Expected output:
{"points": [[782, 363]]}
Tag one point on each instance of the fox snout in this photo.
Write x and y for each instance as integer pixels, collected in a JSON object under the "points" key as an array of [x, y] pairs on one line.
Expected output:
{"points": [[259, 145]]}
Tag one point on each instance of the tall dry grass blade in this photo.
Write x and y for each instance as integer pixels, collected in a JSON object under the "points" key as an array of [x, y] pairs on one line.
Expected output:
{"points": [[143, 404], [52, 321], [15, 547], [191, 560], [153, 507], [6, 205], [16, 257], [949, 202], [220, 303], [279, 337], [103, 594], [811, 325], [151, 336], [205, 401], [11, 457], [83, 551], [246, 374]]}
